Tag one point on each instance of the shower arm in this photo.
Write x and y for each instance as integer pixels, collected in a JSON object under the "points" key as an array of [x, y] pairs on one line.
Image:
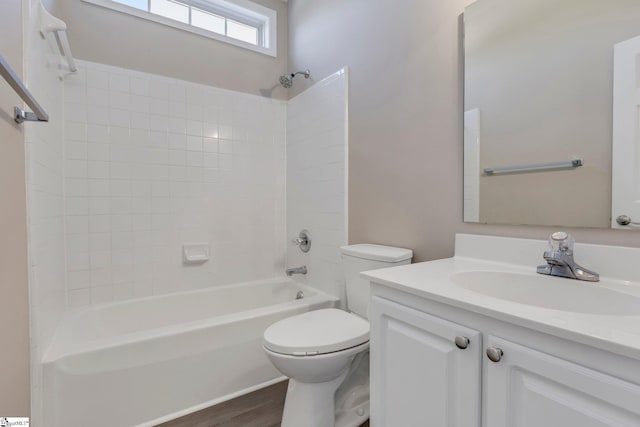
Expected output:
{"points": [[305, 73]]}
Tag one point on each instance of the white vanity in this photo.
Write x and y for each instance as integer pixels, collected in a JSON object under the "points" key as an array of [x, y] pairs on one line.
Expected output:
{"points": [[482, 340]]}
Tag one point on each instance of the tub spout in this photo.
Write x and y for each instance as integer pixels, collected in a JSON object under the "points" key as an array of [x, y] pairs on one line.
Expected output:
{"points": [[297, 270]]}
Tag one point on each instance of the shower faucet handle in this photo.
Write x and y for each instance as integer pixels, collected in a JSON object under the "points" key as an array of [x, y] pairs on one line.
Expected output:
{"points": [[303, 241]]}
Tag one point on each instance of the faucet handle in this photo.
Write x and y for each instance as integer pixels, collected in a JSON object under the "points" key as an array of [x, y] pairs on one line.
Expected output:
{"points": [[559, 236], [561, 241]]}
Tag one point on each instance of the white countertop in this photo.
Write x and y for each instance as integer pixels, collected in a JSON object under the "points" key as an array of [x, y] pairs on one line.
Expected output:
{"points": [[432, 280]]}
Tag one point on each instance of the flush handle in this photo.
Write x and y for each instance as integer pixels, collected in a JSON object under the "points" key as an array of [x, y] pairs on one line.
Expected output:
{"points": [[494, 354], [462, 342]]}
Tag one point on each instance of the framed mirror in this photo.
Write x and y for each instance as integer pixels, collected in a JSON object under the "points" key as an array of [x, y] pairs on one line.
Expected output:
{"points": [[539, 111]]}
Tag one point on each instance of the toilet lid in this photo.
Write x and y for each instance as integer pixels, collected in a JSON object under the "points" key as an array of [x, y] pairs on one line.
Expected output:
{"points": [[316, 332]]}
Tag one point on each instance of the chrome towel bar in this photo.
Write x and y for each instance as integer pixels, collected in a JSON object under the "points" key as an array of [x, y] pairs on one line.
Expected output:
{"points": [[535, 167], [38, 115]]}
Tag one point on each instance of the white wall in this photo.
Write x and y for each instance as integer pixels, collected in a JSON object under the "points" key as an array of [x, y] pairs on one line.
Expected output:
{"points": [[45, 207], [153, 162], [109, 37], [405, 118], [316, 180]]}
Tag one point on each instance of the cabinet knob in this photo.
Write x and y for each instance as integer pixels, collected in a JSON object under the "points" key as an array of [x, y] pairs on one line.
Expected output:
{"points": [[462, 342], [494, 354]]}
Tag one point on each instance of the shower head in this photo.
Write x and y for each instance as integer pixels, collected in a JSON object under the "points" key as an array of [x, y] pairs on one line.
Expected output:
{"points": [[287, 80]]}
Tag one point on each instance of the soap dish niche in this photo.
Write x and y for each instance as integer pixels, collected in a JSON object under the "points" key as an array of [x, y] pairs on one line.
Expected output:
{"points": [[195, 253]]}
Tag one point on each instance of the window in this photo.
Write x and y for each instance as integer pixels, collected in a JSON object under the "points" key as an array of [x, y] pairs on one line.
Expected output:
{"points": [[239, 22]]}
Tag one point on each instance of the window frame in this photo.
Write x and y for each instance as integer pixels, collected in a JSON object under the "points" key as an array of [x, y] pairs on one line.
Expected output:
{"points": [[258, 16]]}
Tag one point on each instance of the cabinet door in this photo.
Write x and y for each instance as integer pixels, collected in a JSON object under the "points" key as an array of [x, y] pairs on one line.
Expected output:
{"points": [[419, 376], [527, 388]]}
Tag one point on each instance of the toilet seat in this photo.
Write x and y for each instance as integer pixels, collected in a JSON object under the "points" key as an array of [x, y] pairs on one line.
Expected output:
{"points": [[316, 332]]}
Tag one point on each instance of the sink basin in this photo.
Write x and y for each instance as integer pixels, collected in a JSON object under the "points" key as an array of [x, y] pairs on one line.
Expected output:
{"points": [[549, 292]]}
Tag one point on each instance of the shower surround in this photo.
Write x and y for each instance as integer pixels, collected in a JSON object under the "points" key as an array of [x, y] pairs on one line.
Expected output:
{"points": [[152, 163], [134, 165]]}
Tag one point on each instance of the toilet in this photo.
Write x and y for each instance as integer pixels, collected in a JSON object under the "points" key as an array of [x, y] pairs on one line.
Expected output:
{"points": [[325, 352]]}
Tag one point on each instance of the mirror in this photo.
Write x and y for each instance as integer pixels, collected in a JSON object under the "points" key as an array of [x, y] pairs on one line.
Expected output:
{"points": [[539, 110]]}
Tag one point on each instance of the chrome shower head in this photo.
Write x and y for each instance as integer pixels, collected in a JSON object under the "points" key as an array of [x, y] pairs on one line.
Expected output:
{"points": [[287, 81]]}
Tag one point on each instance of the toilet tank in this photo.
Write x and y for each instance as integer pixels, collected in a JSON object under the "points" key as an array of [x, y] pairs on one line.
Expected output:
{"points": [[364, 257]]}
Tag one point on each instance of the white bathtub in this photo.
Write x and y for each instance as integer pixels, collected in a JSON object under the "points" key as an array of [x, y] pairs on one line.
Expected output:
{"points": [[150, 360]]}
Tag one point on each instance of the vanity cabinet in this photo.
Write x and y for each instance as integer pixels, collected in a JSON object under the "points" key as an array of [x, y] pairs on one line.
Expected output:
{"points": [[425, 371], [528, 388], [422, 376]]}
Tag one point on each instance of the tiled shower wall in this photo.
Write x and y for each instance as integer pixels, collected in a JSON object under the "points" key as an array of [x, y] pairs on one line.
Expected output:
{"points": [[45, 206], [317, 180], [152, 163]]}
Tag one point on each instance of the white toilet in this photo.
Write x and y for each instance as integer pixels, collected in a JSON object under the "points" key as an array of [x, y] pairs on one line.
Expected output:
{"points": [[325, 352]]}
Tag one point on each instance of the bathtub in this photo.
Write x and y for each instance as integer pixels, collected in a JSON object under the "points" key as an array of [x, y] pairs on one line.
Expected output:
{"points": [[146, 361]]}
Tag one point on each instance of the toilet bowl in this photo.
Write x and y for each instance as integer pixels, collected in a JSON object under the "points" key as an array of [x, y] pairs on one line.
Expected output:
{"points": [[325, 352]]}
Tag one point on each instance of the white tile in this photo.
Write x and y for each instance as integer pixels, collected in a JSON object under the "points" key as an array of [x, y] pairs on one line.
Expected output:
{"points": [[75, 187], [120, 100], [210, 145], [120, 223], [159, 107], [225, 146], [97, 97], [158, 122], [98, 170], [101, 294], [119, 82], [194, 128], [118, 117], [122, 257], [75, 150], [76, 168], [100, 277], [77, 261], [97, 78], [100, 259], [97, 115], [210, 160], [177, 125], [119, 135], [177, 141], [194, 143], [140, 137], [140, 86], [120, 171], [75, 112], [79, 298], [100, 241], [194, 158], [120, 188], [121, 205], [177, 93], [99, 205], [78, 242], [99, 224], [121, 239], [159, 88], [79, 280], [97, 133], [140, 120], [76, 206], [99, 152], [99, 188], [75, 131], [123, 291]]}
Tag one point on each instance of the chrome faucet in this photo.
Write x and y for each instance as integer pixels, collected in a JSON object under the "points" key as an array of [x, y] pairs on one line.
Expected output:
{"points": [[560, 260], [297, 270]]}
